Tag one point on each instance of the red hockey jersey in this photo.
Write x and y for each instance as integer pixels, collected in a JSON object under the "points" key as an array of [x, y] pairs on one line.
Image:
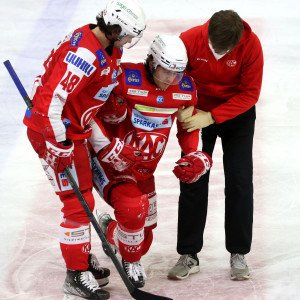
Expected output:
{"points": [[77, 79], [151, 113], [231, 85]]}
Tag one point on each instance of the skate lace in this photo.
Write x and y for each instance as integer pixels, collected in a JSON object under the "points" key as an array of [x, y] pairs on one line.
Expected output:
{"points": [[238, 261], [95, 264], [134, 270], [89, 281]]}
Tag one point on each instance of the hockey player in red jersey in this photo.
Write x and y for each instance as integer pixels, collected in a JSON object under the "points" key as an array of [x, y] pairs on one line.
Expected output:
{"points": [[77, 79], [153, 93]]}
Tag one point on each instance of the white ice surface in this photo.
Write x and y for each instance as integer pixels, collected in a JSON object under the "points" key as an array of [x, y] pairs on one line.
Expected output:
{"points": [[31, 266]]}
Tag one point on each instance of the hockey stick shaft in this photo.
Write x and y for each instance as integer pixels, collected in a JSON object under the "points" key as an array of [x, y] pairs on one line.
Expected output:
{"points": [[135, 292]]}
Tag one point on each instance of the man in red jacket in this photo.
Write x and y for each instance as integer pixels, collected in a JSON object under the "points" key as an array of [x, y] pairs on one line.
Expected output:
{"points": [[226, 62]]}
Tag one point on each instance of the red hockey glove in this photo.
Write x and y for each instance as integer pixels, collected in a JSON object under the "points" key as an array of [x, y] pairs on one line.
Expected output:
{"points": [[114, 110], [120, 155], [59, 155], [192, 166]]}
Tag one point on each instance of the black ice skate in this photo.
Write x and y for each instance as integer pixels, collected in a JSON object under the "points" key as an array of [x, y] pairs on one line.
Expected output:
{"points": [[84, 285], [135, 272], [100, 274], [104, 219]]}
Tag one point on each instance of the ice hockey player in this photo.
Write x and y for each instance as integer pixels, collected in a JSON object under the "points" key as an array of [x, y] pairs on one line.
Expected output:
{"points": [[151, 93], [77, 79]]}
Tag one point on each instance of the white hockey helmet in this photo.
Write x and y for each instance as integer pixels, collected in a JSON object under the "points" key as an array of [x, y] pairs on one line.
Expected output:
{"points": [[169, 52], [129, 14]]}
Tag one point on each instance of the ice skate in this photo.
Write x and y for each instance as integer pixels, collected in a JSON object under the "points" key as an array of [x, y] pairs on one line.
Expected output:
{"points": [[100, 274], [84, 285], [135, 272], [104, 219], [239, 268]]}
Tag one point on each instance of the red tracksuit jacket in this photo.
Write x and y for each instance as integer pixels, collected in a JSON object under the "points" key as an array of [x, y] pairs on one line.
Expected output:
{"points": [[231, 85]]}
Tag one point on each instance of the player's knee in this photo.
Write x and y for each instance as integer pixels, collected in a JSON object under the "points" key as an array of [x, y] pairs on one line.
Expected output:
{"points": [[130, 210]]}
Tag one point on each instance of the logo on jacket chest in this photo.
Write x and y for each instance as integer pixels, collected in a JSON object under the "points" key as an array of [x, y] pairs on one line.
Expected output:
{"points": [[231, 63], [133, 77], [151, 143]]}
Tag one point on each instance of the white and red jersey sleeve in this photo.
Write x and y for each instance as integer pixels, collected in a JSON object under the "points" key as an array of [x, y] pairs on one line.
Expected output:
{"points": [[151, 114], [77, 79]]}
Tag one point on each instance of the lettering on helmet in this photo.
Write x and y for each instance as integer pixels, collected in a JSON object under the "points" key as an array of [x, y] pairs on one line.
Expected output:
{"points": [[186, 84], [133, 77], [129, 11], [76, 37], [80, 63], [101, 58]]}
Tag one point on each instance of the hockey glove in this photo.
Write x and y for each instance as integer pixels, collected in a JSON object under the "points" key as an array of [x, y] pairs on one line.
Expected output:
{"points": [[192, 166], [59, 155], [120, 155], [200, 120], [114, 110]]}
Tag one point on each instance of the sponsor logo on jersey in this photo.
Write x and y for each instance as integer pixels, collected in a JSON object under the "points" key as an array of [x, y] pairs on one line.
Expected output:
{"points": [[155, 110], [149, 123], [160, 99], [79, 63], [99, 177], [152, 144], [104, 92], [186, 84], [179, 96], [102, 58], [136, 92], [231, 63], [114, 76], [76, 37], [133, 77], [28, 113], [64, 183], [105, 71], [203, 59]]}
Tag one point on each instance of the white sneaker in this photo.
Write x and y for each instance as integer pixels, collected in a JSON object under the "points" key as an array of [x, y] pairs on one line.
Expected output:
{"points": [[186, 265], [239, 268]]}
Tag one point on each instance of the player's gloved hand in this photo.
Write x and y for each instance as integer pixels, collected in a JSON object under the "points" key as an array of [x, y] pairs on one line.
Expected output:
{"points": [[200, 120], [183, 113], [192, 166], [120, 155], [59, 155], [114, 110]]}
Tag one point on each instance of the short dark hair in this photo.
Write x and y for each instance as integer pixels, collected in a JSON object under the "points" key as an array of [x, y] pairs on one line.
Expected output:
{"points": [[225, 29], [149, 72], [107, 29]]}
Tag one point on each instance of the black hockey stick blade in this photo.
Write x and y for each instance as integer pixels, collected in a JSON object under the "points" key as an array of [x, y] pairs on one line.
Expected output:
{"points": [[134, 292]]}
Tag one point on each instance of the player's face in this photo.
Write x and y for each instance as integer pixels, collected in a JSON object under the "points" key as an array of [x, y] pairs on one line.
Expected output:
{"points": [[127, 40], [163, 78]]}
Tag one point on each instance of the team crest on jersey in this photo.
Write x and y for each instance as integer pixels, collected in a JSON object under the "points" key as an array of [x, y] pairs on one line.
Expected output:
{"points": [[133, 77], [75, 39], [160, 99], [102, 58], [186, 84], [231, 63], [152, 144], [80, 63], [114, 75], [179, 96], [149, 123]]}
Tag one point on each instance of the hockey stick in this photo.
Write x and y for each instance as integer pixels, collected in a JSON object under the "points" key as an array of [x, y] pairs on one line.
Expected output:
{"points": [[134, 292]]}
